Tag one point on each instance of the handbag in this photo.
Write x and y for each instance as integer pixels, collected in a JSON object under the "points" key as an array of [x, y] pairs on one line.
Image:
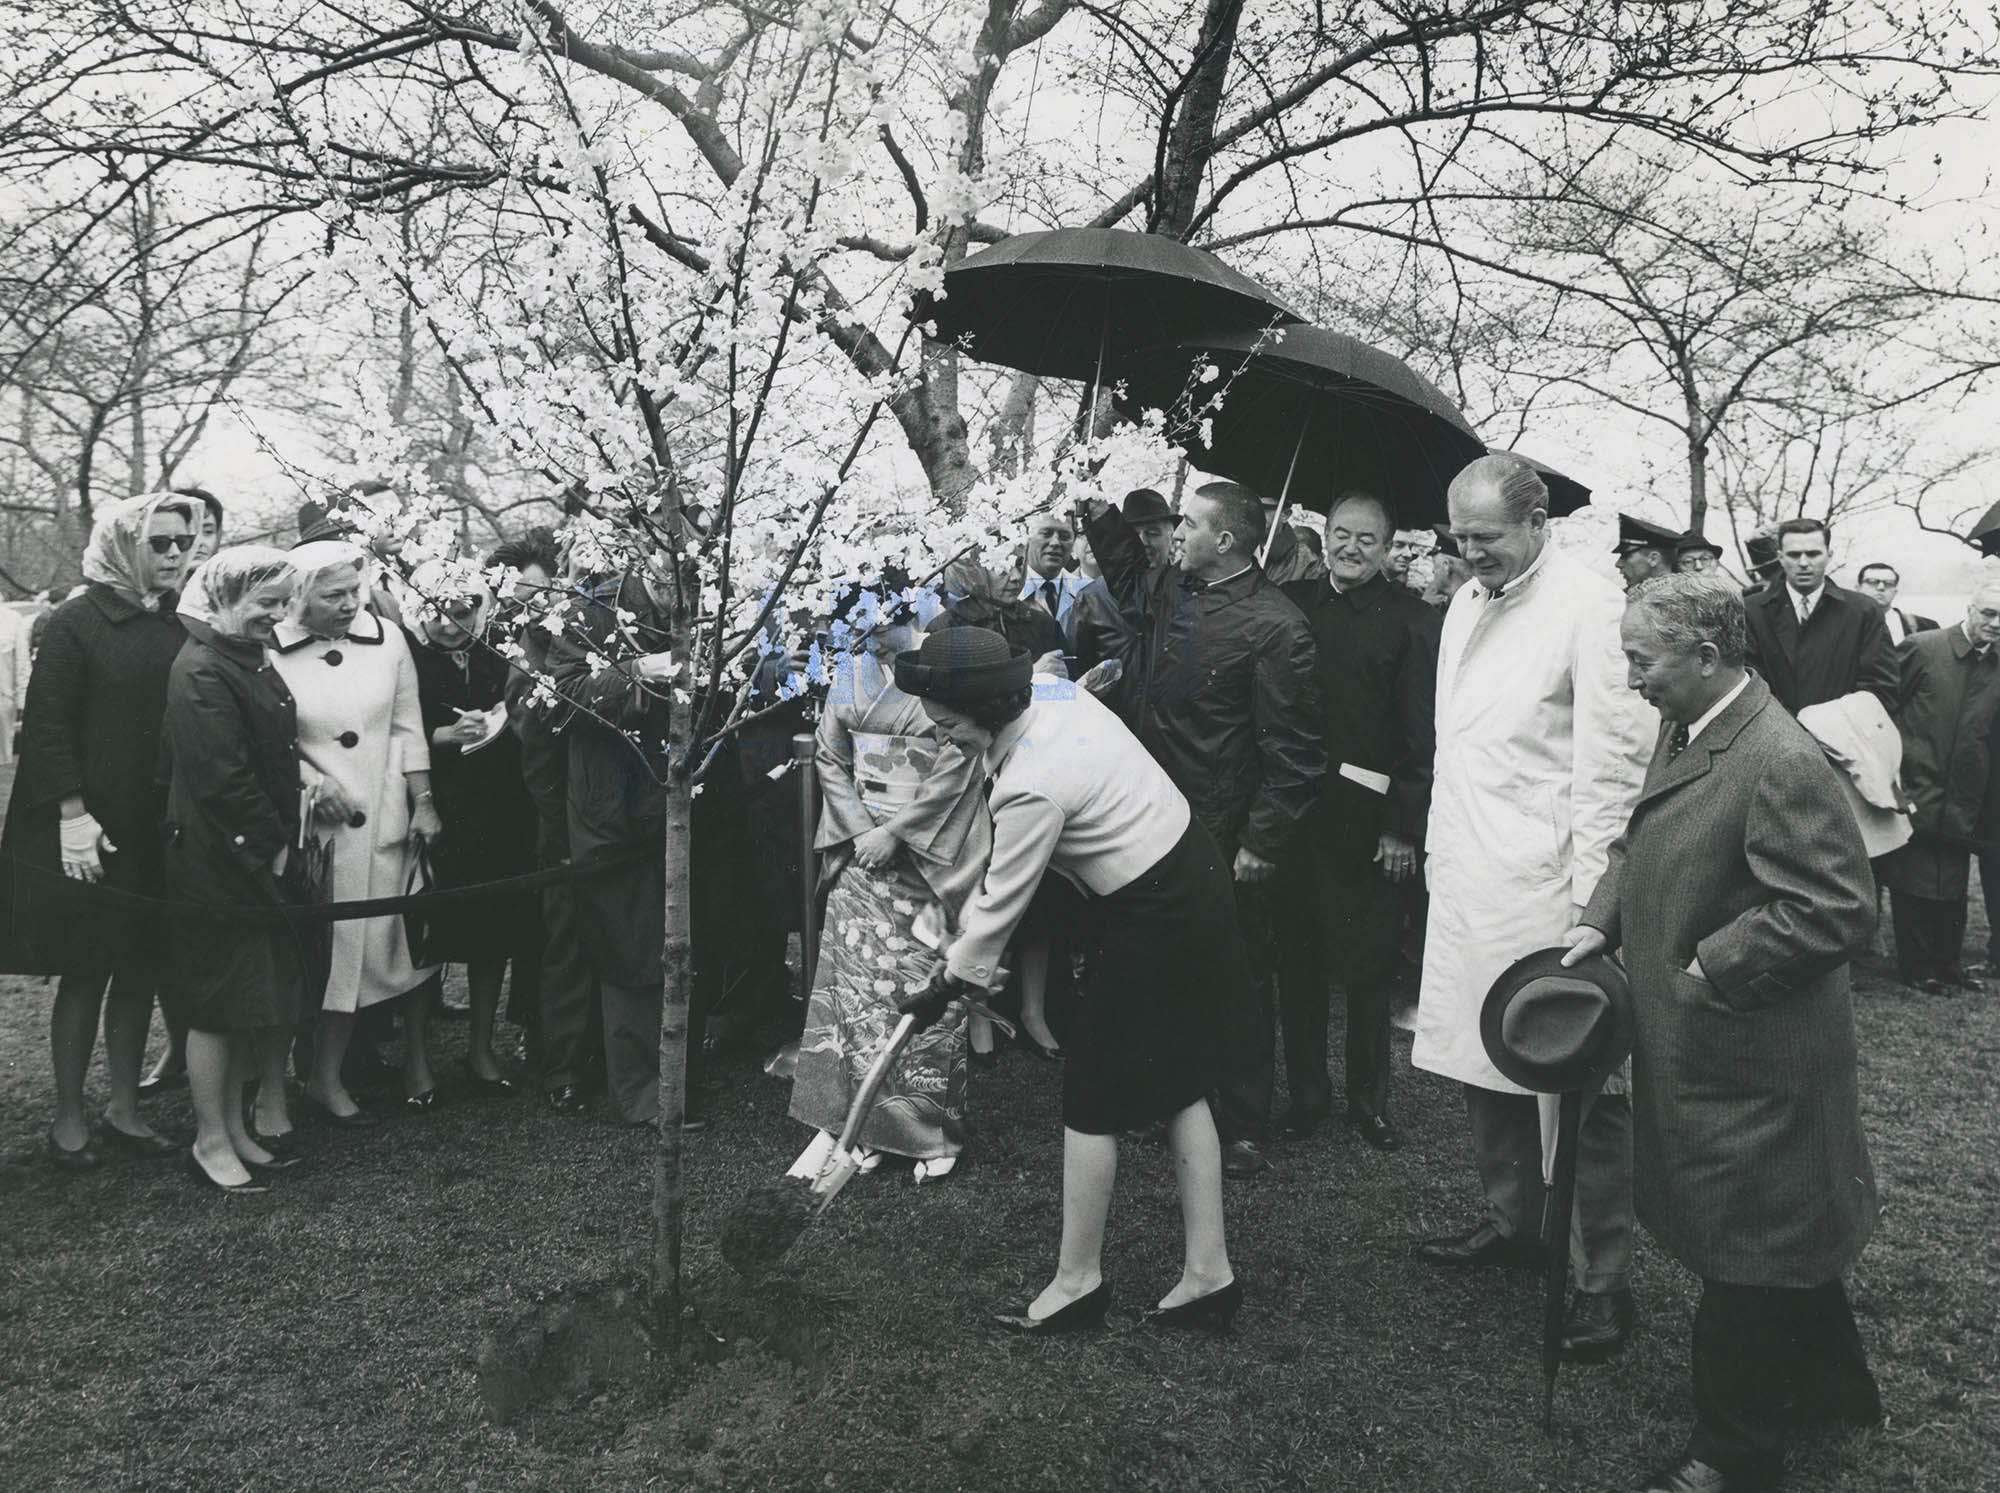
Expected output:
{"points": [[308, 880], [417, 922]]}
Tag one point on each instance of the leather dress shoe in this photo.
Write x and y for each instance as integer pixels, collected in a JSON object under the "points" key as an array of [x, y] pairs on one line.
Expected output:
{"points": [[1242, 1158], [1597, 1326], [143, 1147], [1087, 1311], [566, 1099], [286, 1144], [1692, 1475], [1300, 1122], [1212, 1311], [87, 1157], [1481, 1246], [1377, 1132]]}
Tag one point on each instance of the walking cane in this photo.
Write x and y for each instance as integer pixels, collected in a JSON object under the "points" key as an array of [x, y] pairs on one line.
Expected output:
{"points": [[1562, 1199], [802, 769]]}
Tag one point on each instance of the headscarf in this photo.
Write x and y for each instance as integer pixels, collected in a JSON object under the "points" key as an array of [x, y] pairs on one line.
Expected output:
{"points": [[226, 577], [111, 557]]}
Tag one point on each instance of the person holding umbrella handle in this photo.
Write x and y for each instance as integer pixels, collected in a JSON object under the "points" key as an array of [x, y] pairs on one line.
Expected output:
{"points": [[1072, 790]]}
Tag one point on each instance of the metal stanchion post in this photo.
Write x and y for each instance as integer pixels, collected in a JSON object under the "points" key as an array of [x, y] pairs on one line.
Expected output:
{"points": [[802, 769]]}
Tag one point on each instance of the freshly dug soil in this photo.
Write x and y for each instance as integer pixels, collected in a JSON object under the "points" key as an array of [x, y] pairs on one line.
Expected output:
{"points": [[763, 1224]]}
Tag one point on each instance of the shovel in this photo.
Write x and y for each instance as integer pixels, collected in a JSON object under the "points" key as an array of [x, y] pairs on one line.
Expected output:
{"points": [[768, 1220]]}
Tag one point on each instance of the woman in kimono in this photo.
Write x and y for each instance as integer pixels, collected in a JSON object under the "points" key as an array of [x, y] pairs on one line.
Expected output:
{"points": [[364, 762], [904, 831]]}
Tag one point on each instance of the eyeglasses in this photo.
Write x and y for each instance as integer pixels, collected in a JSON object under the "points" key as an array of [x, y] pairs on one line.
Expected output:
{"points": [[161, 543]]}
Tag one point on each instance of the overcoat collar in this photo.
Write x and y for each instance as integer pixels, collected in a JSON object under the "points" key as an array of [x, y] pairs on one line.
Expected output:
{"points": [[366, 628], [119, 609], [1665, 774]]}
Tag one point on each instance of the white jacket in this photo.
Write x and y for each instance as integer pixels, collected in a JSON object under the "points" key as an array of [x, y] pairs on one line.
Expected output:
{"points": [[1541, 749]]}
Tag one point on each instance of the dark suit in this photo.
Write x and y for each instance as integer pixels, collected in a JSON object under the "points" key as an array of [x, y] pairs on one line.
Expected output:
{"points": [[1376, 665], [1749, 1163], [1910, 623], [1944, 711], [1844, 647]]}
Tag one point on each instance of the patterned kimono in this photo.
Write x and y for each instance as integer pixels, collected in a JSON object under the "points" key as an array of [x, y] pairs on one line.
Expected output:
{"points": [[880, 761]]}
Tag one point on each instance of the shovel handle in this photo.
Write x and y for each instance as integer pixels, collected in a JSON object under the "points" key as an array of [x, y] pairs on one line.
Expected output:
{"points": [[899, 1038]]}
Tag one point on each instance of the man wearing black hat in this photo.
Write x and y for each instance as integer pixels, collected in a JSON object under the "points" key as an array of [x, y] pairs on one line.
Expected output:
{"points": [[1644, 550], [1226, 704], [1695, 555], [1739, 893], [1376, 645], [1765, 571], [1811, 640]]}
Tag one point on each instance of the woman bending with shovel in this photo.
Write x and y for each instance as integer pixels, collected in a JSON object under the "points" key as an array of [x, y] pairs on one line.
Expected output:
{"points": [[1072, 789]]}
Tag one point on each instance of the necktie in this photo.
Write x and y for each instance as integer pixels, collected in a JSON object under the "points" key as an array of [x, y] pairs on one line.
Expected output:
{"points": [[1678, 742], [1049, 597], [1806, 608]]}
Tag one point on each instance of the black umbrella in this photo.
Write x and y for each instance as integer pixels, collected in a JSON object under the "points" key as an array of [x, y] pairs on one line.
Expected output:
{"points": [[1566, 494], [1306, 408], [1985, 535], [1062, 303]]}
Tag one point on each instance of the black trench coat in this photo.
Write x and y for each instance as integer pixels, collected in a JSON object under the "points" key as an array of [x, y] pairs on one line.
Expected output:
{"points": [[91, 726], [231, 763]]}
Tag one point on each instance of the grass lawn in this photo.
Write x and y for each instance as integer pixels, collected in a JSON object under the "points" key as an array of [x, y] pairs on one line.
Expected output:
{"points": [[327, 1335]]}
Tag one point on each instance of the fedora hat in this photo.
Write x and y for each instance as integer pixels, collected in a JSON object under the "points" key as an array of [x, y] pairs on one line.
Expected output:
{"points": [[1142, 506], [958, 665], [1554, 1030]]}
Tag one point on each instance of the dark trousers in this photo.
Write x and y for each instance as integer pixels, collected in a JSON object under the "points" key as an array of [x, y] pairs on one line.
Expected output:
{"points": [[1507, 1148], [566, 1016], [1338, 919], [1249, 1027], [1989, 890], [1929, 935], [1765, 1357]]}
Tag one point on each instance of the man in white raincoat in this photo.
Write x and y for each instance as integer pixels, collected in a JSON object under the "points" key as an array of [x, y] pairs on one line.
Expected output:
{"points": [[1541, 749]]}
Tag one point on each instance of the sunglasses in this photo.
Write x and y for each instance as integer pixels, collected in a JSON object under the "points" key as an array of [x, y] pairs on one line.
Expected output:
{"points": [[161, 543]]}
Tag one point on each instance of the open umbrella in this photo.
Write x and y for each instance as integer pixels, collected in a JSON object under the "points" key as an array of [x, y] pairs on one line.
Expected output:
{"points": [[1985, 535], [1065, 302], [1566, 494], [1303, 412]]}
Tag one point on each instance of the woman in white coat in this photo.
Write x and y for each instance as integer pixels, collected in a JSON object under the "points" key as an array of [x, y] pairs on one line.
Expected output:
{"points": [[365, 762]]}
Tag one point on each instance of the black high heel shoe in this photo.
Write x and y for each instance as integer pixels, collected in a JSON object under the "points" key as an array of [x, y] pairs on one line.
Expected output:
{"points": [[1088, 1310], [1211, 1312]]}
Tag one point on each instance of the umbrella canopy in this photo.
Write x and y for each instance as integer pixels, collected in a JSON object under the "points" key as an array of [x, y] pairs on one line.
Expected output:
{"points": [[1566, 494], [1985, 534], [1306, 413], [1063, 302]]}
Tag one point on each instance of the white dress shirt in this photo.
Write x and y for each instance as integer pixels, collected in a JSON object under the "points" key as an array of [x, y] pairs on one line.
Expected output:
{"points": [[1708, 715]]}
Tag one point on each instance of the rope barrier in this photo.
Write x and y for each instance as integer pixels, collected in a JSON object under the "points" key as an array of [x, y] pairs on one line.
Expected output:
{"points": [[333, 912]]}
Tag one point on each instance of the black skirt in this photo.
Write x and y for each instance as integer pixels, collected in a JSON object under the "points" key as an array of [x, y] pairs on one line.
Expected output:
{"points": [[1147, 1040]]}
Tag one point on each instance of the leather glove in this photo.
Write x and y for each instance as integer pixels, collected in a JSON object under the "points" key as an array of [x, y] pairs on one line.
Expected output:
{"points": [[928, 1004], [81, 837]]}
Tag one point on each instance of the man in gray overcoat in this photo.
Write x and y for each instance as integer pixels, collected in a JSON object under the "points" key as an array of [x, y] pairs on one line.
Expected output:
{"points": [[1738, 893]]}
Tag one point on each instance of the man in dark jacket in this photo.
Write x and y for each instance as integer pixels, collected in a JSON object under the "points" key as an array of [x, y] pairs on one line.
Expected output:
{"points": [[1342, 892], [1880, 582], [1811, 640], [1950, 689], [1227, 706]]}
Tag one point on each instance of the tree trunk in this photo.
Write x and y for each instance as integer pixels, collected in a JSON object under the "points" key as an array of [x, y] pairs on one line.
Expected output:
{"points": [[1192, 136], [677, 971], [1697, 486]]}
